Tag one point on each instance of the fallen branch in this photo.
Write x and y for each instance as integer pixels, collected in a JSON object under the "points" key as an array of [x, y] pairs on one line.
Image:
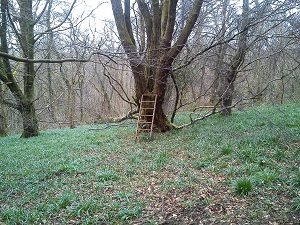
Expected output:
{"points": [[113, 122], [109, 125]]}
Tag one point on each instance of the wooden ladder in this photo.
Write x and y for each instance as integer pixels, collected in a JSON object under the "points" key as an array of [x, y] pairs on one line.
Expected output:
{"points": [[146, 114]]}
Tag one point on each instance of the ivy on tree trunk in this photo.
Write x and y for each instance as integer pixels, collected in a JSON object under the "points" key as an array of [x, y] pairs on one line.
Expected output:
{"points": [[24, 100]]}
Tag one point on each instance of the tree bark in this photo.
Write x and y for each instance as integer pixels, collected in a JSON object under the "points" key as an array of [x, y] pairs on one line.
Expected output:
{"points": [[30, 122], [26, 22], [72, 107], [3, 114], [3, 28], [24, 100]]}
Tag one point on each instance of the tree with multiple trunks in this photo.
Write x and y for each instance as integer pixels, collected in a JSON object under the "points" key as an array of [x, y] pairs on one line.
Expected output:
{"points": [[151, 58]]}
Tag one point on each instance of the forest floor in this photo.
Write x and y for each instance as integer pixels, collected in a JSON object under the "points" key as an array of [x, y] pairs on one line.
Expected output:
{"points": [[241, 169]]}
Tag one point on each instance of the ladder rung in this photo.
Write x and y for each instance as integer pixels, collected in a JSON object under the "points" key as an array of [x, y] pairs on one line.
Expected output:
{"points": [[147, 101], [144, 129], [147, 108], [141, 122]]}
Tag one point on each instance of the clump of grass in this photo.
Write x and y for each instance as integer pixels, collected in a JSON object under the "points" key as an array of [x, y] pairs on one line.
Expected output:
{"points": [[86, 207], [226, 150], [249, 168], [248, 154], [17, 216], [127, 214], [279, 154], [162, 157], [266, 177], [296, 180], [263, 162], [64, 200], [242, 186], [296, 204], [107, 175], [199, 164]]}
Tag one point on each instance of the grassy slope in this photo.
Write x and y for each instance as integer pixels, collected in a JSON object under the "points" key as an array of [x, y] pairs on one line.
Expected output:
{"points": [[81, 176]]}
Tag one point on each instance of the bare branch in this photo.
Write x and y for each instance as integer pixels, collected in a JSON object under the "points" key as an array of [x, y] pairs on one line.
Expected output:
{"points": [[58, 25], [126, 98], [214, 108], [41, 14], [26, 60]]}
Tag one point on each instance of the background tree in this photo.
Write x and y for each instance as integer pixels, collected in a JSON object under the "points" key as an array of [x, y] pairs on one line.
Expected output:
{"points": [[228, 71], [3, 112], [3, 115], [23, 21]]}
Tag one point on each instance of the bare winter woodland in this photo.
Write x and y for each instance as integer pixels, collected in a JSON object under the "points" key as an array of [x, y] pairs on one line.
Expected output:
{"points": [[63, 68]]}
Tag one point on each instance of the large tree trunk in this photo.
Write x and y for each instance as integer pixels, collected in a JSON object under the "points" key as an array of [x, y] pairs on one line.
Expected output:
{"points": [[24, 100], [152, 67], [161, 120], [3, 29], [71, 100], [30, 122], [160, 87], [80, 84]]}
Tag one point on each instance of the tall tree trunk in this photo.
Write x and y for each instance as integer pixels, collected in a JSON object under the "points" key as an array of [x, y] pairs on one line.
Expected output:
{"points": [[228, 77], [24, 100], [30, 122], [219, 64], [3, 116], [160, 87], [50, 37], [4, 48], [226, 90]]}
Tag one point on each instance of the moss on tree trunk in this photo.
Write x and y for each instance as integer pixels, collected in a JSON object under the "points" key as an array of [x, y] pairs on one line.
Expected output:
{"points": [[30, 122]]}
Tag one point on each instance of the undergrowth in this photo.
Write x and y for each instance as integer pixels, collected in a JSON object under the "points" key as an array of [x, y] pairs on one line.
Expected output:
{"points": [[244, 168]]}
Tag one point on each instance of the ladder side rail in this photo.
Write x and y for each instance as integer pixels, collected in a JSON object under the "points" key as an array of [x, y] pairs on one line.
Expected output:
{"points": [[139, 119], [153, 114]]}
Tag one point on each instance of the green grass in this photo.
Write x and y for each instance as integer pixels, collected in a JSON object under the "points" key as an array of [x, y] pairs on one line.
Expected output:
{"points": [[244, 168], [242, 186]]}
